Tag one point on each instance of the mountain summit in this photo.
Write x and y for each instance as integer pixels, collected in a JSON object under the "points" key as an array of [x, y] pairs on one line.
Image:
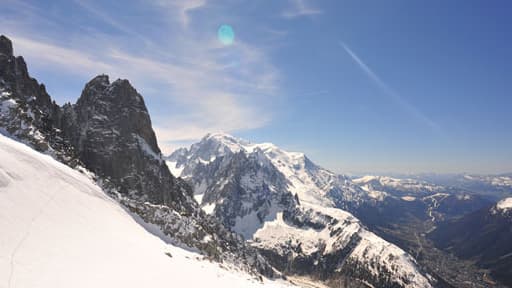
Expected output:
{"points": [[110, 128], [308, 181], [5, 46]]}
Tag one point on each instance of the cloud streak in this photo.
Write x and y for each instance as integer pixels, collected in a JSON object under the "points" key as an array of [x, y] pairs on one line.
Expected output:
{"points": [[392, 94], [183, 8], [300, 8]]}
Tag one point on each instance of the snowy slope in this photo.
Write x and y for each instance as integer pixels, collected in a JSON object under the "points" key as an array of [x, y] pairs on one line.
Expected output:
{"points": [[378, 255], [60, 230]]}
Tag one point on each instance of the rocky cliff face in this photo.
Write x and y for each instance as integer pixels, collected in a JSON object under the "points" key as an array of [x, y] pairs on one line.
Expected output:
{"points": [[108, 131], [110, 128], [26, 110]]}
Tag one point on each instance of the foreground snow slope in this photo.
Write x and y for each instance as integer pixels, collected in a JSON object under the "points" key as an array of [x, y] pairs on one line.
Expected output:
{"points": [[58, 229]]}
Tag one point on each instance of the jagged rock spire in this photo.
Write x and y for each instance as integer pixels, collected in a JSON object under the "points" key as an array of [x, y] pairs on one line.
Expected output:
{"points": [[5, 46]]}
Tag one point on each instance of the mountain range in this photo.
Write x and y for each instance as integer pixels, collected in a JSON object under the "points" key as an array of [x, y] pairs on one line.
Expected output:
{"points": [[264, 212], [286, 206], [253, 188]]}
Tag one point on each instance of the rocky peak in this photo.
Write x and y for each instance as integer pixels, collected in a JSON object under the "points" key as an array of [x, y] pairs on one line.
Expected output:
{"points": [[118, 107], [108, 129], [29, 113], [223, 138], [15, 77], [220, 144], [111, 130], [98, 83], [5, 46]]}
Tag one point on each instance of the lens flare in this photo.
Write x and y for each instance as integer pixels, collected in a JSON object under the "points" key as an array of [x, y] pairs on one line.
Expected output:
{"points": [[226, 34]]}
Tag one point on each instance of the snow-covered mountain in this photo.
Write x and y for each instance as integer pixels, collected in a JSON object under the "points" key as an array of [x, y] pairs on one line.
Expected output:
{"points": [[288, 207], [397, 187], [312, 184], [494, 187], [435, 201], [59, 229]]}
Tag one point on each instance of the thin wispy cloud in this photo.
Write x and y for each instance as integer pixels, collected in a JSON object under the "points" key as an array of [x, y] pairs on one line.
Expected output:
{"points": [[102, 15], [183, 8], [206, 86], [58, 57], [300, 8], [387, 90]]}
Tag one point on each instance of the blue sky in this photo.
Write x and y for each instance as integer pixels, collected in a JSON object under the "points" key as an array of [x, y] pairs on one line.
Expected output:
{"points": [[359, 86]]}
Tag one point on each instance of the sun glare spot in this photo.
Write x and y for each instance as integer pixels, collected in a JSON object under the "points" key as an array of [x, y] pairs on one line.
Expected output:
{"points": [[226, 35]]}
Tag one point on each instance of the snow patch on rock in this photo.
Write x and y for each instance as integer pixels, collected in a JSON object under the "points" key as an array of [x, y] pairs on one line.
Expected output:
{"points": [[505, 204]]}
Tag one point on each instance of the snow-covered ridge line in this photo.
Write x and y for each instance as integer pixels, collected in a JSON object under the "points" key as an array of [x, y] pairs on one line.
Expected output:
{"points": [[237, 144], [495, 180], [410, 184], [310, 182]]}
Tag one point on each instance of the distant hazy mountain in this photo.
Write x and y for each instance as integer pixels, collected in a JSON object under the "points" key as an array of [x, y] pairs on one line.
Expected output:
{"points": [[494, 187], [429, 201]]}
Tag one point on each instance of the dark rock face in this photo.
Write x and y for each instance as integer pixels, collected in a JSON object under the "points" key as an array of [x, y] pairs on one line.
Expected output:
{"points": [[249, 188], [110, 128], [5, 46], [14, 74], [27, 111]]}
